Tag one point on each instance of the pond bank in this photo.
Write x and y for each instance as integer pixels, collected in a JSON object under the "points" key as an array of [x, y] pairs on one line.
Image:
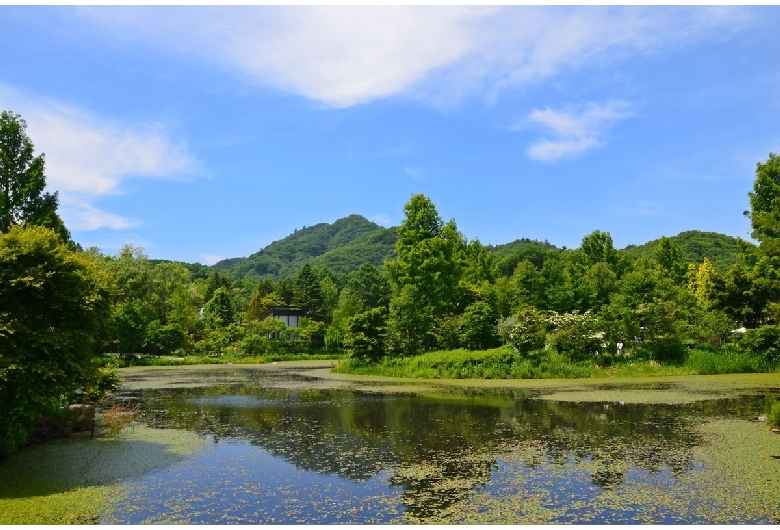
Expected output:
{"points": [[319, 374]]}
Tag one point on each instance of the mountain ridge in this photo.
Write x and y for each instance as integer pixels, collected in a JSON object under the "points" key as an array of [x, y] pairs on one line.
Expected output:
{"points": [[348, 242]]}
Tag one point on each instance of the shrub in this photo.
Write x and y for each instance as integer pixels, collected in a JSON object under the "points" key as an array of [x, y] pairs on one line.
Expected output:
{"points": [[365, 336], [577, 337], [524, 330], [478, 328], [772, 410], [763, 341]]}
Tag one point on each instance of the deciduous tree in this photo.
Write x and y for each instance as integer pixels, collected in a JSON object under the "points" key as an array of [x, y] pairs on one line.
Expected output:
{"points": [[22, 180], [54, 303]]}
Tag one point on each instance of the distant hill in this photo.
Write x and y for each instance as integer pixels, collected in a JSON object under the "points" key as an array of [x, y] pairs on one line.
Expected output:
{"points": [[510, 254], [721, 249], [346, 244], [342, 246]]}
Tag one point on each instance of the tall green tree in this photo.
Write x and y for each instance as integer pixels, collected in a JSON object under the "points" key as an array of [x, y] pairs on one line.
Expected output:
{"points": [[371, 286], [308, 294], [669, 256], [425, 275], [597, 247], [219, 311], [54, 303], [765, 205], [22, 180]]}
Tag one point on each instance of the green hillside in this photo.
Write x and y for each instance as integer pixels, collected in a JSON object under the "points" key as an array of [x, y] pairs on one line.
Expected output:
{"points": [[342, 246], [346, 244], [696, 245]]}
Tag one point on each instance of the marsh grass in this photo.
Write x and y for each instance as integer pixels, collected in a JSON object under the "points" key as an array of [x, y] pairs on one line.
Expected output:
{"points": [[725, 361], [114, 420], [772, 409], [504, 363], [191, 360]]}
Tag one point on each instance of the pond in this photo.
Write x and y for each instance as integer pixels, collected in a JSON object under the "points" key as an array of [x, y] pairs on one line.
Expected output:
{"points": [[283, 446]]}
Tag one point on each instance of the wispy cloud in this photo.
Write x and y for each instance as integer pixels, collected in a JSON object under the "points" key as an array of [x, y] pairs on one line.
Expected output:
{"points": [[83, 216], [211, 259], [643, 209], [382, 219], [414, 172], [88, 157], [343, 56], [573, 131]]}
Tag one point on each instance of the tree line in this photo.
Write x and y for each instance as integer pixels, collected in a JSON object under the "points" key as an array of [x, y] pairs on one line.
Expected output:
{"points": [[60, 305]]}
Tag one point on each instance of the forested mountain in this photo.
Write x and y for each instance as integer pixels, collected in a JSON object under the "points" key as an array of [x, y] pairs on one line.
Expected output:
{"points": [[695, 245], [342, 246], [346, 244]]}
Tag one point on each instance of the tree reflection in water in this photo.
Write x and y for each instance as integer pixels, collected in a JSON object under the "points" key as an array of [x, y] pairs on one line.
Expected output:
{"points": [[440, 449]]}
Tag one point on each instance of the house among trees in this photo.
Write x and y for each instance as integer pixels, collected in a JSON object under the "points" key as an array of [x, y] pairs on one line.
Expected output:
{"points": [[289, 315]]}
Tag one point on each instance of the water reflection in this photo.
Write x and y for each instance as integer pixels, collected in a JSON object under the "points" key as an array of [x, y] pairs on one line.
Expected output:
{"points": [[430, 452]]}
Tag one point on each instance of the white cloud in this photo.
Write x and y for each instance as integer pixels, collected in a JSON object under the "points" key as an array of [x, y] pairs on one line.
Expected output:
{"points": [[342, 56], [211, 259], [83, 216], [382, 219], [88, 157], [574, 131]]}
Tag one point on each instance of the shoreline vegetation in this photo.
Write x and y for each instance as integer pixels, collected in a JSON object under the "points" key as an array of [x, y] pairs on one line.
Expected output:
{"points": [[496, 363]]}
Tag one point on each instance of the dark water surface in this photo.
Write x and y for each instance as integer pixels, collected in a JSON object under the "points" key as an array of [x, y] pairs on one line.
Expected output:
{"points": [[339, 455]]}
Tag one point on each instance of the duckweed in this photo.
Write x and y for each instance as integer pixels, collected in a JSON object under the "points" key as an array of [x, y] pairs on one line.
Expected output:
{"points": [[75, 480]]}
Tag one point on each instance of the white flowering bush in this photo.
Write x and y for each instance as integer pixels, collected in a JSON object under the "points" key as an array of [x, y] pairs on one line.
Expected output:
{"points": [[576, 335], [525, 330]]}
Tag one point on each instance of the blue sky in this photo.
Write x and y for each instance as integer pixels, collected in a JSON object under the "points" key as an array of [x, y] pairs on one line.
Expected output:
{"points": [[201, 133]]}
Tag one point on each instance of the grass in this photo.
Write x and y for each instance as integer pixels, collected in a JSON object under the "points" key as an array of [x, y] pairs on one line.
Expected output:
{"points": [[503, 363], [190, 360]]}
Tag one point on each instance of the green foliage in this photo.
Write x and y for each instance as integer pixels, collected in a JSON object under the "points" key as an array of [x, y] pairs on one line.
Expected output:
{"points": [[577, 335], [164, 339], [365, 336], [597, 248], [772, 409], [763, 342], [371, 286], [478, 326], [711, 327], [722, 250], [524, 331], [602, 282], [310, 333], [510, 254], [219, 310], [342, 247], [54, 303], [723, 361], [669, 256], [102, 379], [425, 276], [307, 293], [129, 328], [22, 181], [765, 207], [260, 304]]}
